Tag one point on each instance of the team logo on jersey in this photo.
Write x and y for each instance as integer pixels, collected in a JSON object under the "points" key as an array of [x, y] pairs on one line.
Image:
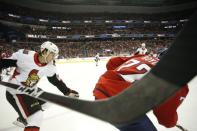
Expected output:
{"points": [[32, 79]]}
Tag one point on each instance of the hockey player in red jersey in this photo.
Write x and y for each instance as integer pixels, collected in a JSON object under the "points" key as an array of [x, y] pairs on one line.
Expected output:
{"points": [[121, 73], [30, 67]]}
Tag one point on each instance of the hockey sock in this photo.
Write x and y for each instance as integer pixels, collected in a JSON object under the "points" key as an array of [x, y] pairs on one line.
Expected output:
{"points": [[32, 128]]}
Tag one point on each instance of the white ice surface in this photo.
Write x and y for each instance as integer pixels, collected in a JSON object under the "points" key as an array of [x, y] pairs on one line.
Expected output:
{"points": [[82, 77]]}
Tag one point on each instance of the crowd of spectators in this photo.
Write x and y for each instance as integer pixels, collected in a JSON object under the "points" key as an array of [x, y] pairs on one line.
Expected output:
{"points": [[90, 48], [97, 30], [23, 15], [27, 21]]}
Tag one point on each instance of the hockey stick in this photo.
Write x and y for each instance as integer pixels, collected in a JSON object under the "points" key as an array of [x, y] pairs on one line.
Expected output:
{"points": [[118, 110]]}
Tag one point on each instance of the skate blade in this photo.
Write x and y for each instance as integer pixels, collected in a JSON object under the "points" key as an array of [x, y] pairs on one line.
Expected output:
{"points": [[19, 124]]}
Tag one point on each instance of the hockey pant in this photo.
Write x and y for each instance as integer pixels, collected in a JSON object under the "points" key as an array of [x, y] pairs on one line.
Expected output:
{"points": [[142, 124]]}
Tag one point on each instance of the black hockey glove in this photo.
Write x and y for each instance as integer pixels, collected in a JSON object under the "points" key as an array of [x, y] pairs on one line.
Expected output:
{"points": [[72, 93]]}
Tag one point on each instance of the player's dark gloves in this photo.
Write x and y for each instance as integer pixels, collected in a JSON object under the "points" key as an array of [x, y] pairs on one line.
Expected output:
{"points": [[72, 93]]}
